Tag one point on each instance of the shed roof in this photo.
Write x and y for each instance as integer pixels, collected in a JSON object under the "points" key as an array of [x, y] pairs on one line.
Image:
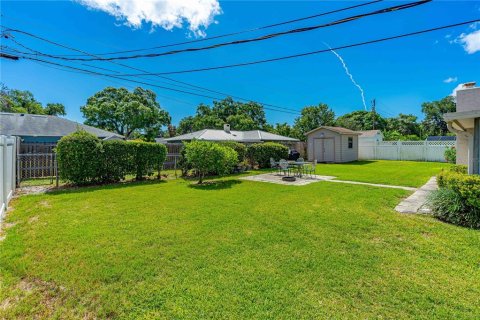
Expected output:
{"points": [[369, 133], [35, 125], [339, 130], [232, 135]]}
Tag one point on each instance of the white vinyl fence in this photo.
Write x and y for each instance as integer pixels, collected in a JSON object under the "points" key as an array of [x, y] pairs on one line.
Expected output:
{"points": [[405, 150], [8, 152]]}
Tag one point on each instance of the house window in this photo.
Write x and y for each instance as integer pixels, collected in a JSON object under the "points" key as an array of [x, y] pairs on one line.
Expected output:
{"points": [[350, 142]]}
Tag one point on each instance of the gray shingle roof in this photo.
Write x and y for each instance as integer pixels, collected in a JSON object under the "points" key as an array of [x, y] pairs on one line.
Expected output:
{"points": [[233, 135], [369, 133], [34, 125], [339, 130]]}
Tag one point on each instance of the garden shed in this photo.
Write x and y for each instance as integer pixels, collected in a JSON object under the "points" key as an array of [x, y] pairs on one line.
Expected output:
{"points": [[332, 144]]}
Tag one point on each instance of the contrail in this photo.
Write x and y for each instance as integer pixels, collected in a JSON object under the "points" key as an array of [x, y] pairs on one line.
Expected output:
{"points": [[350, 75]]}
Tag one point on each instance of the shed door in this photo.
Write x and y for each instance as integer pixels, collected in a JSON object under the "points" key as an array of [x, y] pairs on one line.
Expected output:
{"points": [[328, 150], [324, 150]]}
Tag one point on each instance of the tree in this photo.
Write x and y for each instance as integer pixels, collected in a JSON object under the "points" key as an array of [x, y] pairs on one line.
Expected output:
{"points": [[402, 127], [55, 109], [131, 114], [361, 120], [433, 123], [208, 157], [313, 117], [240, 116], [284, 129], [18, 101]]}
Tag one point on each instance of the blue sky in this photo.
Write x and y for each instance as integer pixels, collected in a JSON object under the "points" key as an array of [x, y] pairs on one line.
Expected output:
{"points": [[399, 74]]}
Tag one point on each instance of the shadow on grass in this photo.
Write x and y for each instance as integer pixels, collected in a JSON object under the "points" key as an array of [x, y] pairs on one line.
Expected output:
{"points": [[111, 186], [215, 185]]}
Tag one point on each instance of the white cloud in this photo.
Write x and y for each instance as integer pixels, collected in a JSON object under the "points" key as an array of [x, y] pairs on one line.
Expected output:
{"points": [[470, 41], [454, 92], [168, 14], [450, 80]]}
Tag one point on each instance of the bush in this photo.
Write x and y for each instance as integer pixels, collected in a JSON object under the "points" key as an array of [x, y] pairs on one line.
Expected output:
{"points": [[260, 153], [451, 155], [208, 157], [449, 206], [467, 191], [79, 158], [459, 168], [84, 159], [146, 157], [240, 148], [117, 160]]}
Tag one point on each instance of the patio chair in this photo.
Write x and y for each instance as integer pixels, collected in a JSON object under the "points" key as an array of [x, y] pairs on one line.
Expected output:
{"points": [[275, 165], [310, 168], [300, 166], [284, 167]]}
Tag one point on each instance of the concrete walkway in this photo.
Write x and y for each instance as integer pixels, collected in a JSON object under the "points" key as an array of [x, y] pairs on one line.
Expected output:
{"points": [[375, 185], [416, 202]]}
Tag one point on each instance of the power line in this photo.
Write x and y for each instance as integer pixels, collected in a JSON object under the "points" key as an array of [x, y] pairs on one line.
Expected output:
{"points": [[137, 69], [358, 44], [237, 42], [139, 82], [239, 32]]}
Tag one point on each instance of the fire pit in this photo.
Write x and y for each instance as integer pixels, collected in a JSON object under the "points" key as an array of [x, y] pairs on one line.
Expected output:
{"points": [[289, 178]]}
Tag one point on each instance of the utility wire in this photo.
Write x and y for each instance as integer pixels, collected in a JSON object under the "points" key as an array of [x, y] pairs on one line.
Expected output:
{"points": [[137, 69], [237, 42], [358, 44], [135, 81], [239, 32]]}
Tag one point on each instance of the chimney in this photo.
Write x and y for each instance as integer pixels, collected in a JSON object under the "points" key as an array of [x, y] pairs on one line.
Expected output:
{"points": [[226, 128], [469, 85]]}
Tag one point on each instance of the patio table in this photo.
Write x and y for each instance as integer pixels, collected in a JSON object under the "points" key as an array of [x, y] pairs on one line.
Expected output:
{"points": [[298, 165]]}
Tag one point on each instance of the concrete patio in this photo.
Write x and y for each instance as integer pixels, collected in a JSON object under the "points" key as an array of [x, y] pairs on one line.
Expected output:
{"points": [[277, 178]]}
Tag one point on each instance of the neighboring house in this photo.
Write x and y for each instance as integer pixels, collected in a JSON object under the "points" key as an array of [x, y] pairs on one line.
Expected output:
{"points": [[35, 128], [332, 144], [251, 136], [466, 124], [441, 138], [367, 142]]}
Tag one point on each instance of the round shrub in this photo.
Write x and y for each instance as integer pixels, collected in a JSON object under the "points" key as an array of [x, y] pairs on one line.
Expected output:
{"points": [[208, 157], [79, 157], [260, 153], [451, 155]]}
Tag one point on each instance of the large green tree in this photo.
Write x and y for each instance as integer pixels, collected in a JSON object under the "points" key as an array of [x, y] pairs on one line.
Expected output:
{"points": [[433, 123], [19, 101], [361, 120], [313, 117], [131, 114], [240, 116]]}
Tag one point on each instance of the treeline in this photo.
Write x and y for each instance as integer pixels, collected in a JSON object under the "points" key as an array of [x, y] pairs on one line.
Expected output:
{"points": [[138, 115]]}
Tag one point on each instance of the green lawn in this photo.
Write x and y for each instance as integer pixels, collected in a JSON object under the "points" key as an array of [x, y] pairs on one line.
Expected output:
{"points": [[234, 250], [402, 173]]}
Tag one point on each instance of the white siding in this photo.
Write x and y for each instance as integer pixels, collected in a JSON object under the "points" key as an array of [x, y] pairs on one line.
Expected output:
{"points": [[341, 151]]}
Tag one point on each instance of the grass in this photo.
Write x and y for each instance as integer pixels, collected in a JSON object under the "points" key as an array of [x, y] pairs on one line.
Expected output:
{"points": [[233, 250], [402, 173]]}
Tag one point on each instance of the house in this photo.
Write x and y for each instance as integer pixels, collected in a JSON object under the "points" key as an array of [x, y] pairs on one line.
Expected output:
{"points": [[332, 144], [441, 138], [35, 128], [366, 143], [251, 136], [465, 122]]}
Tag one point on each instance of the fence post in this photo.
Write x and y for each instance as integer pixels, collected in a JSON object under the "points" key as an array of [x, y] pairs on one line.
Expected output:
{"points": [[399, 150], [3, 202]]}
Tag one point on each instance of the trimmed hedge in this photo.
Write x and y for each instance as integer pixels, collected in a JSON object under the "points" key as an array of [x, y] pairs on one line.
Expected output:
{"points": [[79, 158], [260, 153], [240, 148], [467, 190], [85, 159], [208, 157]]}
